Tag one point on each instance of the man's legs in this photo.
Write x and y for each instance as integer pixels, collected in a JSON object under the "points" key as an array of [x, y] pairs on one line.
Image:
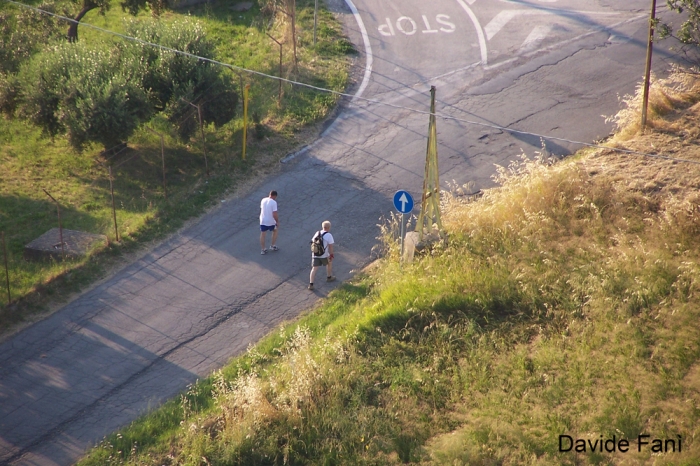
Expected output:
{"points": [[329, 270], [262, 240], [312, 276], [274, 238]]}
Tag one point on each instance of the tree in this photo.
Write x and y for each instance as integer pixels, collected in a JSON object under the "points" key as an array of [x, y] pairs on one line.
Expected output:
{"points": [[89, 94], [173, 79], [102, 93], [689, 32], [132, 6], [23, 32]]}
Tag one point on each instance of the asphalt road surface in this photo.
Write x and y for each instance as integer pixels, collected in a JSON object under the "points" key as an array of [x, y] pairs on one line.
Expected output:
{"points": [[550, 67]]}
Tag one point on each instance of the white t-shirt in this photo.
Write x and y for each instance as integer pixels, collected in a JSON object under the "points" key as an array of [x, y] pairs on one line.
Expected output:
{"points": [[327, 239], [267, 206]]}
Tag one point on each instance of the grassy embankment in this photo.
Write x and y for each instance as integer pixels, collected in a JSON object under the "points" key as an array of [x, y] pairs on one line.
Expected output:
{"points": [[30, 161], [566, 302]]}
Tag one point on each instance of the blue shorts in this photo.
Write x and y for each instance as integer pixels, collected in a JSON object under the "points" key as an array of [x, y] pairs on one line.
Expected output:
{"points": [[268, 227]]}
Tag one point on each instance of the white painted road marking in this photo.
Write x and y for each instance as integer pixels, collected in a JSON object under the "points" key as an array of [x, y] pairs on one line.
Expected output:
{"points": [[428, 29], [533, 40], [368, 48], [479, 31], [502, 18], [408, 26], [399, 25], [442, 19]]}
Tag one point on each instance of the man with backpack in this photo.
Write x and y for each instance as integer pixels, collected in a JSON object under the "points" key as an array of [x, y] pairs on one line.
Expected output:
{"points": [[322, 253]]}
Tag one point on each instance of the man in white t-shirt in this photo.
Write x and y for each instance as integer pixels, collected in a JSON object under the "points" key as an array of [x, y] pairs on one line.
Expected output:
{"points": [[269, 221], [324, 259]]}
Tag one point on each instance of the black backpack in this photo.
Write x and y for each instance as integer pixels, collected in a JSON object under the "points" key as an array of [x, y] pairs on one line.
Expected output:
{"points": [[317, 247]]}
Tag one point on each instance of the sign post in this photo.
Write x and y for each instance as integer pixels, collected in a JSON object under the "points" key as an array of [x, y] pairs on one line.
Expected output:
{"points": [[403, 201]]}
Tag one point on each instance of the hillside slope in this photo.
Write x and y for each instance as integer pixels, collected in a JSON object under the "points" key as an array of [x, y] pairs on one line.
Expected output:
{"points": [[565, 303]]}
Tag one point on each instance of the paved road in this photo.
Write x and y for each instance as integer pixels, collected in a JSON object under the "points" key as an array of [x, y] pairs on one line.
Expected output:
{"points": [[548, 66]]}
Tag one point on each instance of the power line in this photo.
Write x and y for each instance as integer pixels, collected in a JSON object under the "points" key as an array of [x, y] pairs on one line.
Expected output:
{"points": [[352, 97]]}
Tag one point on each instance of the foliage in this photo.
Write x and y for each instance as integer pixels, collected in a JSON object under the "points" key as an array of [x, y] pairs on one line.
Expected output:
{"points": [[131, 6], [134, 6], [89, 93], [689, 32], [175, 80], [102, 94], [23, 32]]}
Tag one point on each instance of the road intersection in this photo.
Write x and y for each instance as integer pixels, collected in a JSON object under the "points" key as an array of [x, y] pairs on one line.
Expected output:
{"points": [[202, 296]]}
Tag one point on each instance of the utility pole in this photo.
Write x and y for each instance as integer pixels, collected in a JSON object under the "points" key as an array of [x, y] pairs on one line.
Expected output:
{"points": [[647, 72]]}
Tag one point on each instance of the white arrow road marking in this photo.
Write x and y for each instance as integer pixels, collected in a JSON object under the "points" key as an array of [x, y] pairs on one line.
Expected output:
{"points": [[535, 38]]}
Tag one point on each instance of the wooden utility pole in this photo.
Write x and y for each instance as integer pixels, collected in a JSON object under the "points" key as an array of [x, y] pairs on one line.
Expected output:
{"points": [[647, 72], [430, 201]]}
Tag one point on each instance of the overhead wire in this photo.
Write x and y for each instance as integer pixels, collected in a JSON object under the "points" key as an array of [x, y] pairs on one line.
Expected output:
{"points": [[350, 96]]}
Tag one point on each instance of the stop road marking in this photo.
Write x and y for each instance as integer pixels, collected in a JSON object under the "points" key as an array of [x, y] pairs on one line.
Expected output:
{"points": [[408, 26]]}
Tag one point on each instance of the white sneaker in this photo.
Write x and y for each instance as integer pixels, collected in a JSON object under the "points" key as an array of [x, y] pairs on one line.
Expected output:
{"points": [[263, 252]]}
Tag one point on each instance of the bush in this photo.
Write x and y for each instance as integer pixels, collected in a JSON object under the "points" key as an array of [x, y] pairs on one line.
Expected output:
{"points": [[101, 94], [90, 94]]}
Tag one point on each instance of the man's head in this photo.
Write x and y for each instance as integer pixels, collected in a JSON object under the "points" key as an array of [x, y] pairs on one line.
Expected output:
{"points": [[326, 226], [273, 194]]}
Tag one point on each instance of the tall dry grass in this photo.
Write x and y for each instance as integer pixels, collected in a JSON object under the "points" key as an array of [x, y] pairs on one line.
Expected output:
{"points": [[681, 88]]}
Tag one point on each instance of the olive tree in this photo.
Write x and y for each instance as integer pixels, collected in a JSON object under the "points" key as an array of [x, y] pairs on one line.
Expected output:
{"points": [[87, 93], [102, 93]]}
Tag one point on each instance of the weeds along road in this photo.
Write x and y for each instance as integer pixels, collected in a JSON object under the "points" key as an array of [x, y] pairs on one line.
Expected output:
{"points": [[549, 66]]}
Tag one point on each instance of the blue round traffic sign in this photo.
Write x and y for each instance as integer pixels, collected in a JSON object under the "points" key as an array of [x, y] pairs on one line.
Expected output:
{"points": [[403, 201]]}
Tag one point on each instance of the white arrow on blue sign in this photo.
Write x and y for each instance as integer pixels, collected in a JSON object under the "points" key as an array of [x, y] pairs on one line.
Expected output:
{"points": [[403, 201]]}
